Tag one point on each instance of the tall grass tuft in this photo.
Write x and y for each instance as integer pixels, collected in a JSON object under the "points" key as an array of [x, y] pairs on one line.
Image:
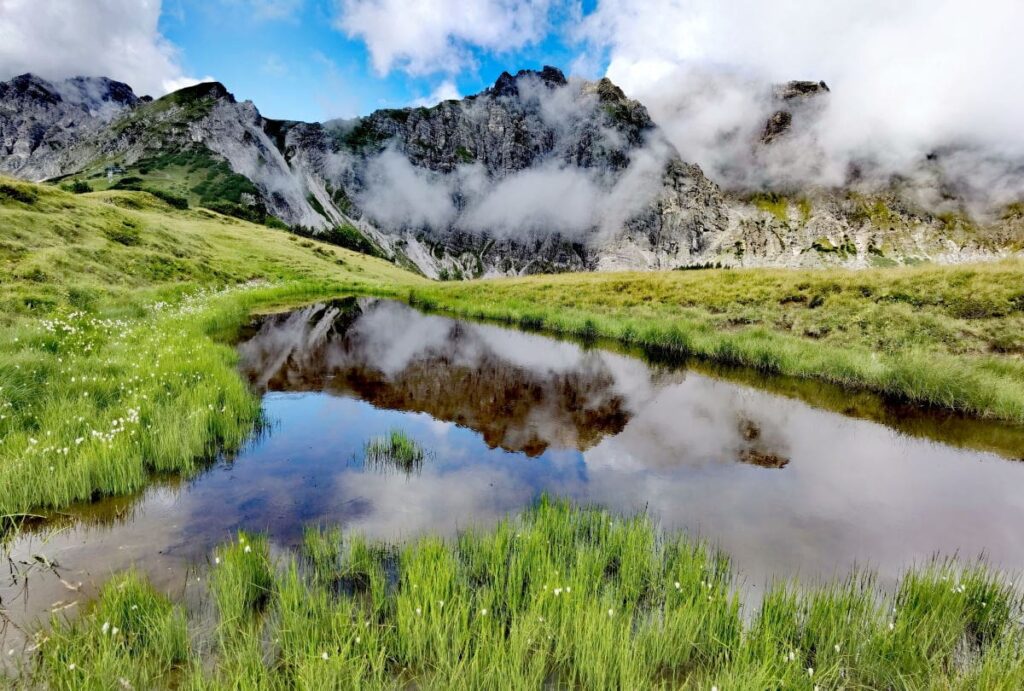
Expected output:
{"points": [[395, 450], [561, 597], [132, 638]]}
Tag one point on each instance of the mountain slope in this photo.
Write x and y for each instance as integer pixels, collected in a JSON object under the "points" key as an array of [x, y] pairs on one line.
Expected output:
{"points": [[537, 173]]}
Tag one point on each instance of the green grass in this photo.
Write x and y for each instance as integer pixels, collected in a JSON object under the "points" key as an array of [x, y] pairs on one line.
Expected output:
{"points": [[132, 638], [192, 176], [114, 307], [395, 450], [950, 337], [774, 204], [114, 312], [561, 597]]}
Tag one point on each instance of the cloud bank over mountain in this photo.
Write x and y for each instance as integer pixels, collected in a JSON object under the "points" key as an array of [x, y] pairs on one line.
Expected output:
{"points": [[907, 80], [119, 39], [930, 90]]}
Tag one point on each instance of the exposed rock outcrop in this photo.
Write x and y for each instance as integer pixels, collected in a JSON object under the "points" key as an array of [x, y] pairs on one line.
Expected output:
{"points": [[537, 173]]}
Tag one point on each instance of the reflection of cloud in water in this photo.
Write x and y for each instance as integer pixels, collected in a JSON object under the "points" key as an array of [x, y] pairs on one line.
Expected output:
{"points": [[433, 502], [693, 422]]}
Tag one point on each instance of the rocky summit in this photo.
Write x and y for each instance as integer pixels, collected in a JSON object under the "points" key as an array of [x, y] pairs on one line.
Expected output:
{"points": [[537, 173]]}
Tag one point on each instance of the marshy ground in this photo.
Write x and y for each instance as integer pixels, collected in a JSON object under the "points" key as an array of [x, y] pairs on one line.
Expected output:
{"points": [[116, 366], [561, 596]]}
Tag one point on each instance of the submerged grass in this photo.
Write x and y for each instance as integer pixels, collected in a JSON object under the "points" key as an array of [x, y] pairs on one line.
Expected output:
{"points": [[395, 450], [950, 337], [562, 597]]}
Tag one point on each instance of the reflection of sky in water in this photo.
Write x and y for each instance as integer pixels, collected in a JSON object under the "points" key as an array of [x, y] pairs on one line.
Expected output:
{"points": [[669, 442]]}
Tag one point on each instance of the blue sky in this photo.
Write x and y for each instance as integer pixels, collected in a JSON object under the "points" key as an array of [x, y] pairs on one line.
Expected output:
{"points": [[294, 62]]}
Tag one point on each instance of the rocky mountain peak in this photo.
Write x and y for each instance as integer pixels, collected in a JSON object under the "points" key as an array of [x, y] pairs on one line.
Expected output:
{"points": [[204, 90], [104, 90], [794, 98], [508, 85], [29, 86], [537, 173], [800, 89], [90, 93]]}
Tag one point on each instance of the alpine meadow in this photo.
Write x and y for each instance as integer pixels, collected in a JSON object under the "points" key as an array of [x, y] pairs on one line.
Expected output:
{"points": [[696, 364]]}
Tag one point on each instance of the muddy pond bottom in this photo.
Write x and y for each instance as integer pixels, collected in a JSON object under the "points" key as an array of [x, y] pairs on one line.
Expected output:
{"points": [[787, 489]]}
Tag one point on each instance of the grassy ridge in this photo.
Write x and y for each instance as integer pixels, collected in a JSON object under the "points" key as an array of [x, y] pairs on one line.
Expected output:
{"points": [[112, 306], [952, 337], [560, 596]]}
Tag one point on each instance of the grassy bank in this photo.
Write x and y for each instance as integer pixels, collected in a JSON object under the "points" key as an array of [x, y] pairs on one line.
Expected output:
{"points": [[560, 596], [114, 305], [113, 309], [951, 337]]}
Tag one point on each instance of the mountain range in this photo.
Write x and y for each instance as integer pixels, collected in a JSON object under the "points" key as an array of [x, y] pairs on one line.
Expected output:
{"points": [[537, 173]]}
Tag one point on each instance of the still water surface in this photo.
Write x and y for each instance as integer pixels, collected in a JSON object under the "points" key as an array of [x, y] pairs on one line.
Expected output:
{"points": [[786, 488]]}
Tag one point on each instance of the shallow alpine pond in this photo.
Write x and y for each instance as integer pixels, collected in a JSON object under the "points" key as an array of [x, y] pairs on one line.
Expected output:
{"points": [[395, 423]]}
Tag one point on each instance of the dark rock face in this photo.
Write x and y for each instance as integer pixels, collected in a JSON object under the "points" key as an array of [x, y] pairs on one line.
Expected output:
{"points": [[796, 99], [601, 186], [535, 120], [777, 125], [508, 127], [800, 89], [40, 120]]}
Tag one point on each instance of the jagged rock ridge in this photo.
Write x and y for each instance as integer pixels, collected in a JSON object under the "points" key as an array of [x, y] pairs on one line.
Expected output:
{"points": [[536, 173]]}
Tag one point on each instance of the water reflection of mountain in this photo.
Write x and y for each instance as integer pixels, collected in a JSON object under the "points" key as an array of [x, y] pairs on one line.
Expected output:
{"points": [[511, 388]]}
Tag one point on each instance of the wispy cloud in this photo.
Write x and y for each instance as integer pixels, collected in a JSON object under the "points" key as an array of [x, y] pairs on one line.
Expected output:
{"points": [[431, 36]]}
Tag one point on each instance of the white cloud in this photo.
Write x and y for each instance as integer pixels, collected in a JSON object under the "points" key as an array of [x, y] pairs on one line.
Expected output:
{"points": [[906, 77], [402, 195], [428, 36], [546, 199], [170, 85], [112, 38], [445, 91]]}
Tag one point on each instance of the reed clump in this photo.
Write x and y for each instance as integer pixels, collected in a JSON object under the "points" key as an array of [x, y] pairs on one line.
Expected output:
{"points": [[561, 596], [394, 450]]}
